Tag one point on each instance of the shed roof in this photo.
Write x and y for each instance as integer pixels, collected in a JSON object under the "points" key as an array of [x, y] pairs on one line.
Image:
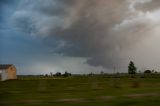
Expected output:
{"points": [[5, 66]]}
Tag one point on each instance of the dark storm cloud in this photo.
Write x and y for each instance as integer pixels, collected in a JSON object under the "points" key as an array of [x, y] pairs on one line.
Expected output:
{"points": [[4, 2], [6, 6], [98, 30], [155, 4]]}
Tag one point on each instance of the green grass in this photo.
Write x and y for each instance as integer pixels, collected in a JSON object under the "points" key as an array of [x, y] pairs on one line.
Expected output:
{"points": [[81, 91]]}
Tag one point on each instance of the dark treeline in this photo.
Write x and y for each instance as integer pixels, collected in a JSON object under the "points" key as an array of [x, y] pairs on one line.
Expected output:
{"points": [[116, 75]]}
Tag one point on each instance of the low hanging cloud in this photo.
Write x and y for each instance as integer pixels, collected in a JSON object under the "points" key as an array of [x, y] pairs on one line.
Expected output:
{"points": [[102, 31]]}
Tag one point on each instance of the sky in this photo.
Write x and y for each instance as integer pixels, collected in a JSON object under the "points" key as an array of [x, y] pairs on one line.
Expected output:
{"points": [[79, 36]]}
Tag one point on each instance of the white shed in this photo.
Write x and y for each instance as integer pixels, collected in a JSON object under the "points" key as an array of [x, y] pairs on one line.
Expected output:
{"points": [[7, 71]]}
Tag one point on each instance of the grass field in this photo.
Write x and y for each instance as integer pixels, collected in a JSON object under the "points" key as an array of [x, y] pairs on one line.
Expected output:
{"points": [[81, 91]]}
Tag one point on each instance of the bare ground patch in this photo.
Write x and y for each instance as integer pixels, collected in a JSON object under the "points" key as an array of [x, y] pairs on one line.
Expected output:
{"points": [[71, 100], [142, 95], [105, 97]]}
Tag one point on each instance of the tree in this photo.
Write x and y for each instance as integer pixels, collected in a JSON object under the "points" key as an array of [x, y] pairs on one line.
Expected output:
{"points": [[102, 72], [131, 68], [58, 74], [147, 71], [66, 74], [51, 74]]}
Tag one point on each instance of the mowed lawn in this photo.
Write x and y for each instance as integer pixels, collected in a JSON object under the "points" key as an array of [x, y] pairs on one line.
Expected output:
{"points": [[81, 91]]}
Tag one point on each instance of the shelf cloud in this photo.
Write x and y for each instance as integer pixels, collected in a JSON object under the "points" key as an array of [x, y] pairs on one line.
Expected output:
{"points": [[97, 30], [105, 33]]}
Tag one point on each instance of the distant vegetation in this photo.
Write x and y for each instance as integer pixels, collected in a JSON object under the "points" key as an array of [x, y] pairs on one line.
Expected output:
{"points": [[132, 72], [147, 71]]}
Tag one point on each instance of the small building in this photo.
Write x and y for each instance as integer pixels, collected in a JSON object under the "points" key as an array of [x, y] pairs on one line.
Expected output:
{"points": [[7, 72]]}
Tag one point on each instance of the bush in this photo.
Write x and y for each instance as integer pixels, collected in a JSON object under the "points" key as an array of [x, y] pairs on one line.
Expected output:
{"points": [[147, 71], [66, 74], [58, 74]]}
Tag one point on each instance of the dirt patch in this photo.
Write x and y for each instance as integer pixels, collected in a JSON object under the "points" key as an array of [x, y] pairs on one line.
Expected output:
{"points": [[105, 97], [30, 102], [142, 95], [71, 100]]}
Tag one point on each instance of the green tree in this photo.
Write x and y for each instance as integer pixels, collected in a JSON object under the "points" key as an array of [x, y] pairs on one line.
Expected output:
{"points": [[131, 68], [147, 71], [58, 74], [66, 74]]}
